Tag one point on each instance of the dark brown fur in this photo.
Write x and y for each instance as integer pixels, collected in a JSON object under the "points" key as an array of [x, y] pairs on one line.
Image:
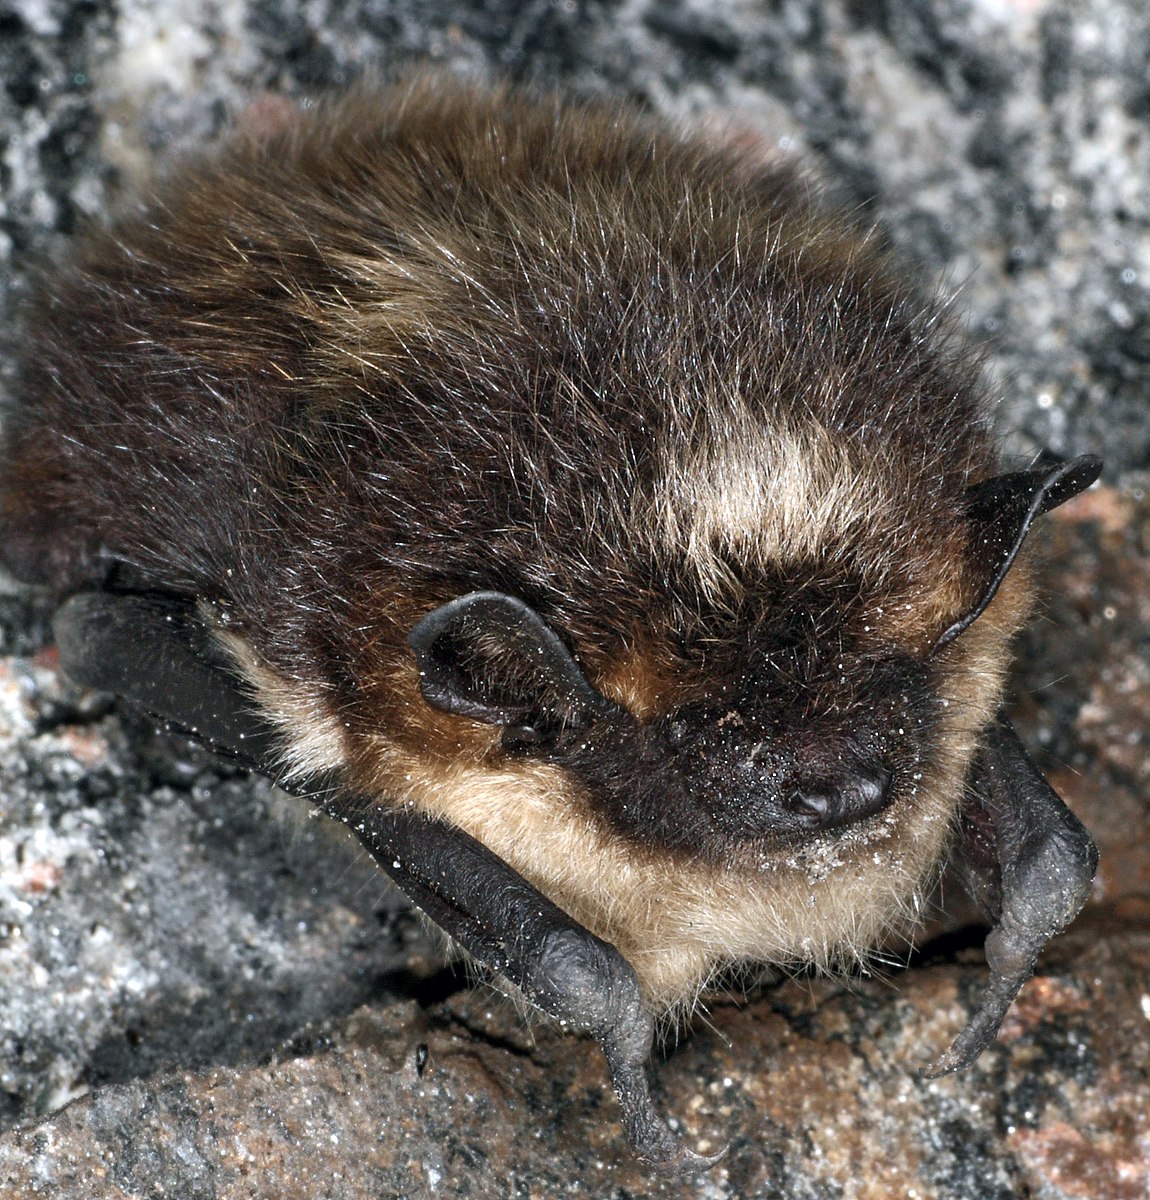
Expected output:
{"points": [[415, 344]]}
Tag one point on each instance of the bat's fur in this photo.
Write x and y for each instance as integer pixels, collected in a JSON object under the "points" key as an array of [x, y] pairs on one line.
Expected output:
{"points": [[376, 354]]}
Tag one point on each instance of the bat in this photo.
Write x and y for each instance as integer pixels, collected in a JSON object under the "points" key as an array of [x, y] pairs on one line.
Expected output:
{"points": [[580, 507]]}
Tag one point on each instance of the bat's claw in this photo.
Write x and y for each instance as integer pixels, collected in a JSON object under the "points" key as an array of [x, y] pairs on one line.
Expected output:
{"points": [[1040, 866], [655, 1142], [626, 1044]]}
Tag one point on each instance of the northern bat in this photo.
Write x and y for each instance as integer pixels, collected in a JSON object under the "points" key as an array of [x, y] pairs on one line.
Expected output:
{"points": [[580, 507]]}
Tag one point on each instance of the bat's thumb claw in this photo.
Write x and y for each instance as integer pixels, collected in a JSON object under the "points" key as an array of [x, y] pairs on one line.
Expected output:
{"points": [[670, 1156], [652, 1138]]}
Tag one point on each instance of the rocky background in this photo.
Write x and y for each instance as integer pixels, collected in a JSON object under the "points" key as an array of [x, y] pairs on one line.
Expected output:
{"points": [[204, 994]]}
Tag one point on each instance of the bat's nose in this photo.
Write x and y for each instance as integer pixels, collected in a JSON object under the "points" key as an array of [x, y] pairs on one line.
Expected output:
{"points": [[827, 803]]}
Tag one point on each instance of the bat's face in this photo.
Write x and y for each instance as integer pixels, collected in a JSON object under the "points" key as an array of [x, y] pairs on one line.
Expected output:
{"points": [[795, 743], [788, 741], [792, 723], [789, 751]]}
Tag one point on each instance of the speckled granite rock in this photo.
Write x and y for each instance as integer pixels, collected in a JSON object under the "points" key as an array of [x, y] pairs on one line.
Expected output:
{"points": [[157, 908], [231, 993], [812, 1089]]}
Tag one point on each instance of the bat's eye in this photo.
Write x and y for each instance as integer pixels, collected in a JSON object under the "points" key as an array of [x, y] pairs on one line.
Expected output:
{"points": [[677, 733]]}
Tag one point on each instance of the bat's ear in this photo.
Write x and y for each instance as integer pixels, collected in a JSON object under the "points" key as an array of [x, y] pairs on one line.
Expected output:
{"points": [[1002, 509], [491, 657]]}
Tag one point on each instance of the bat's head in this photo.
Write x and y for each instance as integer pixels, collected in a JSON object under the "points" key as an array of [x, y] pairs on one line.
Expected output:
{"points": [[804, 722], [776, 782]]}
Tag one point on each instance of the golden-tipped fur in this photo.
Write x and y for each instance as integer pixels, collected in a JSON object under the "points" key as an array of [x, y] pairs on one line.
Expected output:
{"points": [[406, 345]]}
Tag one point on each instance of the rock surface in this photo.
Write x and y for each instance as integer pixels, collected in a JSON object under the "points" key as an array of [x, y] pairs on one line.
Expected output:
{"points": [[204, 995]]}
